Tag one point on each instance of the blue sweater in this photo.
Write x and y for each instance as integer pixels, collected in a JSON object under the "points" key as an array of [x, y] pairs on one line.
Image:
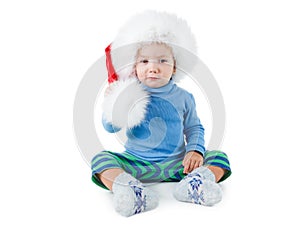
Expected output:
{"points": [[170, 129]]}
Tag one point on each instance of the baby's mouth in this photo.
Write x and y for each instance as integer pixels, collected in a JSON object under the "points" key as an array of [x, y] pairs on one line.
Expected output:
{"points": [[152, 77]]}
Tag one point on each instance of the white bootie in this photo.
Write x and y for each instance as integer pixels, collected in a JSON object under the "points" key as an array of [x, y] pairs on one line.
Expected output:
{"points": [[131, 197], [199, 187]]}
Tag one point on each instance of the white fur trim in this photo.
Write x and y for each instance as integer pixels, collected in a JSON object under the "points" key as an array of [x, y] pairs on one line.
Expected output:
{"points": [[151, 26], [125, 104]]}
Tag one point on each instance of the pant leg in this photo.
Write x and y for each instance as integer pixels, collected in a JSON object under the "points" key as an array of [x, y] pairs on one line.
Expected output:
{"points": [[219, 159], [174, 172], [136, 167], [103, 161]]}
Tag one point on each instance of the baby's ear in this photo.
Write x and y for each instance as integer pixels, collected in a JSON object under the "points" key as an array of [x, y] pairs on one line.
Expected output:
{"points": [[174, 68], [133, 72]]}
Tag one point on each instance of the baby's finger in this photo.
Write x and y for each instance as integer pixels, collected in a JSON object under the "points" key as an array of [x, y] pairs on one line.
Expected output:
{"points": [[197, 164], [186, 168], [201, 162], [193, 165]]}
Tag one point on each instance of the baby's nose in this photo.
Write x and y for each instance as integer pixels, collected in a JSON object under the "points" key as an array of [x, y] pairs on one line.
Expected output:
{"points": [[153, 68]]}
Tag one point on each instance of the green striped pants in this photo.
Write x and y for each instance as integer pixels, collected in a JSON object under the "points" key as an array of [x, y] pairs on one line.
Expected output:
{"points": [[145, 171]]}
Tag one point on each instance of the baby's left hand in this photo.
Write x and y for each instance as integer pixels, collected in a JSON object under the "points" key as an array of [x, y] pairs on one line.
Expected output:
{"points": [[191, 161]]}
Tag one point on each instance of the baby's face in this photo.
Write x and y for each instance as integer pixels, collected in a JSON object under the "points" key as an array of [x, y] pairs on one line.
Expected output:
{"points": [[155, 65]]}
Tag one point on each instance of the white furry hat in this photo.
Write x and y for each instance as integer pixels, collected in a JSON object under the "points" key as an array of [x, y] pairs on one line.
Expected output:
{"points": [[124, 109], [150, 26]]}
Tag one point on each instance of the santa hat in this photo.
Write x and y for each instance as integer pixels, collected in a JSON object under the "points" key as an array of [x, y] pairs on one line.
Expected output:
{"points": [[125, 105]]}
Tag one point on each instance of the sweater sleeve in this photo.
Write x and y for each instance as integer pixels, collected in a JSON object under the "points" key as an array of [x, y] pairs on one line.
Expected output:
{"points": [[109, 127], [193, 129]]}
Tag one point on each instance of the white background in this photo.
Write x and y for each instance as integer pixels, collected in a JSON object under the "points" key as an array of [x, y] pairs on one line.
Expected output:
{"points": [[253, 51]]}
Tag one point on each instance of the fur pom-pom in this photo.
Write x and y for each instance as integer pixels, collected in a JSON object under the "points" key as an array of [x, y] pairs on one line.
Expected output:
{"points": [[125, 103]]}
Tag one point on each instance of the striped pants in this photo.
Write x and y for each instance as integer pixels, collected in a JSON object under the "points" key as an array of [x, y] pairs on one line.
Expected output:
{"points": [[145, 171]]}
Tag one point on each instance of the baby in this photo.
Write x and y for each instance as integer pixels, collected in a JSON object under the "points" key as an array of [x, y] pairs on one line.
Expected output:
{"points": [[167, 145]]}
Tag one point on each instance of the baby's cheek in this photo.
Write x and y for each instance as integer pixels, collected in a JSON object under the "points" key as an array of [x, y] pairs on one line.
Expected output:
{"points": [[141, 76]]}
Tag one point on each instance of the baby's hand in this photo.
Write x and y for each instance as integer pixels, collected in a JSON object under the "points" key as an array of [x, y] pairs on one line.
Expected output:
{"points": [[191, 161]]}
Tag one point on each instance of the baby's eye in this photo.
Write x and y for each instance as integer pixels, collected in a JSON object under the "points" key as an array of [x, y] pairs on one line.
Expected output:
{"points": [[145, 61], [163, 61]]}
